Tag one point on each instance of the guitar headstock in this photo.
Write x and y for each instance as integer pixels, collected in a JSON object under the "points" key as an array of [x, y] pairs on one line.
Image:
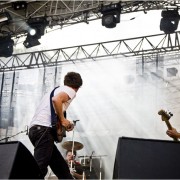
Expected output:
{"points": [[164, 115]]}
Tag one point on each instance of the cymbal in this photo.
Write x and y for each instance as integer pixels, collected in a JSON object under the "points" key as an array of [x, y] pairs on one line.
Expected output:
{"points": [[68, 145]]}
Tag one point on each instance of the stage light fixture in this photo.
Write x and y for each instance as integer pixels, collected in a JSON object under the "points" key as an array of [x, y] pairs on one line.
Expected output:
{"points": [[31, 42], [5, 17], [111, 15], [169, 21], [6, 46], [37, 26], [19, 5], [35, 31]]}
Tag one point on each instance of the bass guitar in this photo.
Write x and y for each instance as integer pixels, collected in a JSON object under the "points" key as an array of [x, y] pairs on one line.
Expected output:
{"points": [[165, 117]]}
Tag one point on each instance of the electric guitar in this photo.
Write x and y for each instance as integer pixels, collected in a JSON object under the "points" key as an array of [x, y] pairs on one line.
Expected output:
{"points": [[58, 131], [165, 117]]}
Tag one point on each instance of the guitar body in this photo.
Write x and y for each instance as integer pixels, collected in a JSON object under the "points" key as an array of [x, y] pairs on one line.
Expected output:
{"points": [[58, 131], [61, 132]]}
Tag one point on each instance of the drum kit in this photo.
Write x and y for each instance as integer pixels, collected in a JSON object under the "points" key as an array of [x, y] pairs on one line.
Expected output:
{"points": [[85, 161]]}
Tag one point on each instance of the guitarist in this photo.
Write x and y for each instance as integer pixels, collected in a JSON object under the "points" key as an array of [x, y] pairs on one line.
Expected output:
{"points": [[173, 133], [41, 132]]}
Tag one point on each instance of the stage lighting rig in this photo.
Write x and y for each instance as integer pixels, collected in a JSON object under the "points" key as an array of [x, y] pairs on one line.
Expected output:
{"points": [[111, 15], [36, 28], [6, 46], [18, 5], [169, 21]]}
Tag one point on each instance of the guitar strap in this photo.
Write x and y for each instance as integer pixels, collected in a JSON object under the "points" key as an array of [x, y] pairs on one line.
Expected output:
{"points": [[53, 114]]}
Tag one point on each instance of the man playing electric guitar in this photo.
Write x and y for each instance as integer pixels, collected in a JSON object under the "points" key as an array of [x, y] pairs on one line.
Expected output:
{"points": [[41, 132]]}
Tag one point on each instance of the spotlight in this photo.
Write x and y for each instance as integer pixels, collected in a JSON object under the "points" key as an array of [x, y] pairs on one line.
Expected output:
{"points": [[37, 26], [35, 31], [5, 17], [19, 5], [111, 15], [30, 42], [32, 31], [6, 46], [169, 21]]}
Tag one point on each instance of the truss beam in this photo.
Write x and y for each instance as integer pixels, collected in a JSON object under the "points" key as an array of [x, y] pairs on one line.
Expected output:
{"points": [[63, 13], [146, 45]]}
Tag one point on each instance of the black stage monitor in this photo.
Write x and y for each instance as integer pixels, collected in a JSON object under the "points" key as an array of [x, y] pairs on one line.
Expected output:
{"points": [[17, 162], [147, 159]]}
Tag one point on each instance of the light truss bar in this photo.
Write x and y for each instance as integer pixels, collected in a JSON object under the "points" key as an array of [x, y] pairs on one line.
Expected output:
{"points": [[64, 13], [146, 45]]}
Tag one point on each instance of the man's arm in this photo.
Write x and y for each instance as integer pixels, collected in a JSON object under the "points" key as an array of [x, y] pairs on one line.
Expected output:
{"points": [[58, 101]]}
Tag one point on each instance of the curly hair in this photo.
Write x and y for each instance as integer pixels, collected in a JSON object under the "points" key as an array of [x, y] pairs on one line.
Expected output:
{"points": [[73, 79]]}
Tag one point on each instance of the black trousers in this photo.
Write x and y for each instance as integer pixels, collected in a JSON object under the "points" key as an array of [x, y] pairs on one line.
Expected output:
{"points": [[46, 153]]}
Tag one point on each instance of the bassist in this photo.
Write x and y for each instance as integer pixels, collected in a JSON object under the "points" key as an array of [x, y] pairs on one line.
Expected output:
{"points": [[41, 132]]}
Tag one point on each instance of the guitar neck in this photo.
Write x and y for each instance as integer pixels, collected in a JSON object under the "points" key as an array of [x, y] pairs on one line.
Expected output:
{"points": [[168, 125], [170, 128]]}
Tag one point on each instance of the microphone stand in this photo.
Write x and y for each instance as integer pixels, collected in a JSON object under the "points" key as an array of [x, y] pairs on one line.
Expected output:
{"points": [[91, 161], [74, 122], [73, 146]]}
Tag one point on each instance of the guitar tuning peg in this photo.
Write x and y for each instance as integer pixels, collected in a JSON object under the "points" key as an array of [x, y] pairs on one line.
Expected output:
{"points": [[170, 114]]}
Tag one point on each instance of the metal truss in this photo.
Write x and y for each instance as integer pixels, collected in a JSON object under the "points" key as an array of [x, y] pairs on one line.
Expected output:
{"points": [[139, 46], [63, 13]]}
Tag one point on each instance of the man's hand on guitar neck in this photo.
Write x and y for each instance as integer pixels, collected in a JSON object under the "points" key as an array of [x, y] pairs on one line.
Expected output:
{"points": [[67, 124], [173, 133]]}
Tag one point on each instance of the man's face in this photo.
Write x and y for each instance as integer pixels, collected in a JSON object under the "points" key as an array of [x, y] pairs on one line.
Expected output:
{"points": [[69, 156]]}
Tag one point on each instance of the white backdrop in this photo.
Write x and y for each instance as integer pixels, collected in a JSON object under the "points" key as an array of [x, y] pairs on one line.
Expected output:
{"points": [[114, 101]]}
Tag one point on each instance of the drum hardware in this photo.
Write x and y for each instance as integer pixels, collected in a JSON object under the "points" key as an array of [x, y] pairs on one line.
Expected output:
{"points": [[100, 169], [89, 166], [91, 160], [94, 156]]}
